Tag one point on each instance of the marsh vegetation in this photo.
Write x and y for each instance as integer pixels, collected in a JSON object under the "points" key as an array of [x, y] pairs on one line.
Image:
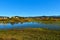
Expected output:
{"points": [[29, 34], [29, 28]]}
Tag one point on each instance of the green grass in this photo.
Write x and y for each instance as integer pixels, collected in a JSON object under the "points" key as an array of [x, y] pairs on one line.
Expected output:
{"points": [[30, 34]]}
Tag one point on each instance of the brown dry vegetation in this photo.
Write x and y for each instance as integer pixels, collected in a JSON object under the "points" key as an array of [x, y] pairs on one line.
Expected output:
{"points": [[21, 19], [30, 34]]}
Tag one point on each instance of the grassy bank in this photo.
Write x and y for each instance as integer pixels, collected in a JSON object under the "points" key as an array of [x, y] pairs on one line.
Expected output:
{"points": [[30, 34]]}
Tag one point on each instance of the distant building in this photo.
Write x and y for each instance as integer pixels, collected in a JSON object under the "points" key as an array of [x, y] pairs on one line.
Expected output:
{"points": [[3, 17]]}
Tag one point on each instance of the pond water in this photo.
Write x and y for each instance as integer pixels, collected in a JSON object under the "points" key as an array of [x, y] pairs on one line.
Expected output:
{"points": [[20, 25]]}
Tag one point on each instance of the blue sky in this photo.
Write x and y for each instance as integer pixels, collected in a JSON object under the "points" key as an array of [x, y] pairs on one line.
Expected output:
{"points": [[29, 7]]}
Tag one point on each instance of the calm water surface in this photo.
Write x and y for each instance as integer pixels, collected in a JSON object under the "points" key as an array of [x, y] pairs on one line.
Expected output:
{"points": [[20, 25]]}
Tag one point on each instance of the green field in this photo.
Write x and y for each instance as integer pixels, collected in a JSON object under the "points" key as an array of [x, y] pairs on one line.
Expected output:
{"points": [[29, 34]]}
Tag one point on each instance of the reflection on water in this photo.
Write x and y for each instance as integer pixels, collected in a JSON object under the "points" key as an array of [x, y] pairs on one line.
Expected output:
{"points": [[53, 25]]}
